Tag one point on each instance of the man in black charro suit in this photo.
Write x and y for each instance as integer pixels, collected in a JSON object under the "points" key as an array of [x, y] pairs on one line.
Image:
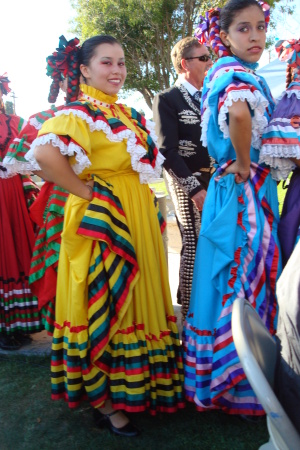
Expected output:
{"points": [[176, 112]]}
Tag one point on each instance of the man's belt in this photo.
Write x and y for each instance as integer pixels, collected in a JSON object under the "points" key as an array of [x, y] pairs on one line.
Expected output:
{"points": [[210, 170]]}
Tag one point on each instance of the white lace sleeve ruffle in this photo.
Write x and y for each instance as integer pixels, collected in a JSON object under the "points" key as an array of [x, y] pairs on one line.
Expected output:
{"points": [[6, 173], [82, 161], [204, 126], [35, 123], [277, 156], [257, 103], [289, 93], [280, 167], [14, 166], [136, 151]]}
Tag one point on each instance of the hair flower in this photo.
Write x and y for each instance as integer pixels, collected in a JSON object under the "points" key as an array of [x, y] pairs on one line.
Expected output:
{"points": [[4, 81], [62, 64], [266, 9]]}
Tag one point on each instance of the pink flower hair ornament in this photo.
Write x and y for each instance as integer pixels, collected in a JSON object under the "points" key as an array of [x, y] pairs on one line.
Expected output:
{"points": [[266, 9]]}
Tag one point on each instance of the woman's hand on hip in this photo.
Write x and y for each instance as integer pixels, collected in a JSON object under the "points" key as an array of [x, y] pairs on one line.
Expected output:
{"points": [[90, 184], [241, 172]]}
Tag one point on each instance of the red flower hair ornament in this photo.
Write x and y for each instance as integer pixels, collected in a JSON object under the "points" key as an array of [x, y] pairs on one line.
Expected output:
{"points": [[62, 64], [4, 82]]}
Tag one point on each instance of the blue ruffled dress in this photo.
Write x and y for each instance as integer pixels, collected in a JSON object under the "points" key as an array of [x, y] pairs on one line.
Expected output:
{"points": [[238, 252]]}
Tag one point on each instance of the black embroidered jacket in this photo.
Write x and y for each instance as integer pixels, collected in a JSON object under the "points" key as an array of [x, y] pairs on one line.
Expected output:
{"points": [[177, 125]]}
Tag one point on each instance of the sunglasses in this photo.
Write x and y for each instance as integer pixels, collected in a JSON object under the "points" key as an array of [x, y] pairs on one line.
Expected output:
{"points": [[203, 58]]}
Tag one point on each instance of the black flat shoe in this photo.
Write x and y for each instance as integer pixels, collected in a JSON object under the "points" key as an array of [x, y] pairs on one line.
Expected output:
{"points": [[251, 419], [9, 343], [23, 338], [103, 421]]}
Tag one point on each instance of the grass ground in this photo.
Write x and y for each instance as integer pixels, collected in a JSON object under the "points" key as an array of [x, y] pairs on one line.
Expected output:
{"points": [[29, 420]]}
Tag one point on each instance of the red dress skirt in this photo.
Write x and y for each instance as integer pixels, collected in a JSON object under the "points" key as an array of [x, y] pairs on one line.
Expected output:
{"points": [[18, 306]]}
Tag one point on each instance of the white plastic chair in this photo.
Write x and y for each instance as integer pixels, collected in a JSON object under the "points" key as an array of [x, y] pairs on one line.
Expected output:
{"points": [[257, 351]]}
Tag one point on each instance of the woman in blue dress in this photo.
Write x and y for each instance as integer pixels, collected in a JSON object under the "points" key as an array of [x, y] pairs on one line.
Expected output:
{"points": [[238, 253], [281, 146]]}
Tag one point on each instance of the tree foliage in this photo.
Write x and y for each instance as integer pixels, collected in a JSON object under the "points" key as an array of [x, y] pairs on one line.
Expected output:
{"points": [[9, 107], [147, 29]]}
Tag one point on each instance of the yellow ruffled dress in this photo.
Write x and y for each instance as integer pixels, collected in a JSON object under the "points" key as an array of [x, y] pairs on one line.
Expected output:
{"points": [[115, 330]]}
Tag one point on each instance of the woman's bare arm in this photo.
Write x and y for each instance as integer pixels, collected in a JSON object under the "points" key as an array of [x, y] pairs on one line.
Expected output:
{"points": [[240, 134], [39, 173], [56, 168]]}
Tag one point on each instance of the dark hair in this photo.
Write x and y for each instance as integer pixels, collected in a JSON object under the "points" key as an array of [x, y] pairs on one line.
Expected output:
{"points": [[5, 89], [56, 78], [230, 10], [88, 48], [288, 76], [2, 107]]}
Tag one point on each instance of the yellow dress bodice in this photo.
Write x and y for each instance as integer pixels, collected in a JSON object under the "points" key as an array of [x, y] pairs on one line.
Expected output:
{"points": [[105, 146]]}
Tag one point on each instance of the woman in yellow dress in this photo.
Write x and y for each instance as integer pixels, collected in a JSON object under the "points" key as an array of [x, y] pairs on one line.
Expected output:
{"points": [[115, 341]]}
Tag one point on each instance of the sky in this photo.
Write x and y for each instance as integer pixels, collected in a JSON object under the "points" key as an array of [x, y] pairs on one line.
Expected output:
{"points": [[287, 27], [30, 31]]}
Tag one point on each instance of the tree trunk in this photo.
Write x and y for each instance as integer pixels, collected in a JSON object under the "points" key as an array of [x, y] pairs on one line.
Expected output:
{"points": [[148, 96]]}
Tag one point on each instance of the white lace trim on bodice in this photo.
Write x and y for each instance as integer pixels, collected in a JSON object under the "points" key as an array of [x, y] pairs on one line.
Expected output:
{"points": [[136, 151], [257, 103]]}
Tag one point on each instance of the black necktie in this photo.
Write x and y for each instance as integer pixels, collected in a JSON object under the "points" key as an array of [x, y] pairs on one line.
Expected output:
{"points": [[197, 96]]}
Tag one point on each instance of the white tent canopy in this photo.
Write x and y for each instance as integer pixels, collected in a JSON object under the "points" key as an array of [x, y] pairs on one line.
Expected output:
{"points": [[274, 74]]}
